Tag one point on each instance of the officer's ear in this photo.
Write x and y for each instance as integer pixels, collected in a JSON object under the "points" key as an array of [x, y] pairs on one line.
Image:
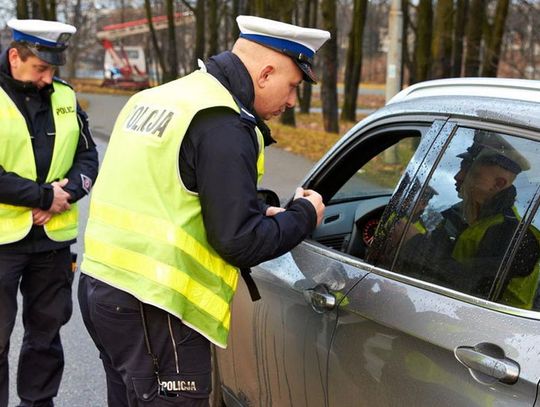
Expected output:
{"points": [[14, 58], [264, 75], [501, 183]]}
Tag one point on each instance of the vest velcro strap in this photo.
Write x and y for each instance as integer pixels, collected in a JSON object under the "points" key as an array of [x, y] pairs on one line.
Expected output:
{"points": [[159, 273]]}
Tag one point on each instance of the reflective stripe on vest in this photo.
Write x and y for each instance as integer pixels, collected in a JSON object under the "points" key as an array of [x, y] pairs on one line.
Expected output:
{"points": [[17, 155], [520, 290], [145, 232]]}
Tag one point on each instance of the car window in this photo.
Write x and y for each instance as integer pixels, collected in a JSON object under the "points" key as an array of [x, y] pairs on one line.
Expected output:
{"points": [[468, 226], [380, 175], [358, 181]]}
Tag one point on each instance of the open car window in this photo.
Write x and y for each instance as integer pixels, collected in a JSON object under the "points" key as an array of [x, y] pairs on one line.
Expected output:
{"points": [[380, 175], [358, 183]]}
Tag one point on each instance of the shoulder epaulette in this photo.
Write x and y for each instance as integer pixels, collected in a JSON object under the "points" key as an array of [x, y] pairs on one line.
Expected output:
{"points": [[245, 114], [60, 80]]}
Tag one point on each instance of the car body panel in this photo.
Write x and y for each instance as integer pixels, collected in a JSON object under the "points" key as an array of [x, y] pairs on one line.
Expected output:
{"points": [[404, 338]]}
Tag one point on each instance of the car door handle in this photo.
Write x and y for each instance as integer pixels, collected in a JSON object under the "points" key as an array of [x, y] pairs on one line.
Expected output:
{"points": [[487, 361], [320, 298]]}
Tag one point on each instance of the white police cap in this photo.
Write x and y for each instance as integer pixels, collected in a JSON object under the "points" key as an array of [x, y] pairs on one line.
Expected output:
{"points": [[46, 39], [493, 148], [299, 43]]}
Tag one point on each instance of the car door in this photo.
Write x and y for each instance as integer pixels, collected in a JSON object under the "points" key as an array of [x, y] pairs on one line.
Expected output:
{"points": [[279, 344], [412, 333]]}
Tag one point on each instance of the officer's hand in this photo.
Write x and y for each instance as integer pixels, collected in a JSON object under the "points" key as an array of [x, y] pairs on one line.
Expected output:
{"points": [[60, 201], [40, 217], [315, 198], [274, 210]]}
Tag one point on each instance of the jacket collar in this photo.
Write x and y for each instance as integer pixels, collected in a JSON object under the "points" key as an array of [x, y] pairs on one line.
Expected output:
{"points": [[229, 70]]}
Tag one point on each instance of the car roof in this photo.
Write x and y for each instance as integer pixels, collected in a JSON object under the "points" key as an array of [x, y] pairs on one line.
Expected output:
{"points": [[497, 88]]}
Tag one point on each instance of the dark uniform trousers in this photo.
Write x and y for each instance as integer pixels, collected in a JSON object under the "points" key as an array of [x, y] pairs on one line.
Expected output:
{"points": [[45, 281], [114, 319]]}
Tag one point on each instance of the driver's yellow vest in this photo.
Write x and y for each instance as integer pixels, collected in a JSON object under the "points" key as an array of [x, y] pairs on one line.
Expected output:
{"points": [[520, 291], [17, 155], [145, 232]]}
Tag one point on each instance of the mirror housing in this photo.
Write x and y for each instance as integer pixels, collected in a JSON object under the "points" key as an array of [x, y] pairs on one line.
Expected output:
{"points": [[269, 197]]}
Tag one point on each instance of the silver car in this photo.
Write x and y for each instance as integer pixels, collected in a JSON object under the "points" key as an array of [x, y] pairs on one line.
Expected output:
{"points": [[420, 287]]}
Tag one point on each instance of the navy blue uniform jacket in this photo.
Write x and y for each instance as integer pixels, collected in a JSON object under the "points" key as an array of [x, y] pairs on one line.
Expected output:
{"points": [[218, 159], [35, 106]]}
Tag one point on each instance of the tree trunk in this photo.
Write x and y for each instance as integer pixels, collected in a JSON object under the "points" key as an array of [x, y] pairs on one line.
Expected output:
{"points": [[422, 44], [285, 10], [475, 20], [200, 26], [172, 72], [22, 9], [47, 10], [213, 26], [52, 10], [459, 32], [405, 54], [74, 46], [442, 39], [309, 20], [155, 42], [329, 78], [353, 64], [43, 11], [493, 47]]}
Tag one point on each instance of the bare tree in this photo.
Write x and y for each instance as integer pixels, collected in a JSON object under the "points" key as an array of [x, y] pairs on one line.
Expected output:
{"points": [[74, 48], [422, 44], [329, 79], [22, 9], [441, 46], [157, 49], [172, 72], [200, 28], [459, 33], [492, 52], [47, 9], [353, 64], [309, 20], [475, 20], [213, 27]]}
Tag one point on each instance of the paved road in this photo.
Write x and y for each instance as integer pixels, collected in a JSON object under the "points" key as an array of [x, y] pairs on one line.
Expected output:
{"points": [[84, 382]]}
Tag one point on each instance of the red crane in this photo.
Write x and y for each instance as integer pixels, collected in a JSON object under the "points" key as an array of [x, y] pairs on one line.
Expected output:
{"points": [[125, 66]]}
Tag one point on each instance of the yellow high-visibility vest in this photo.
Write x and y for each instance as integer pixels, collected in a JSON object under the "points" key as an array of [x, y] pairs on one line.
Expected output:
{"points": [[17, 155], [145, 233], [520, 291]]}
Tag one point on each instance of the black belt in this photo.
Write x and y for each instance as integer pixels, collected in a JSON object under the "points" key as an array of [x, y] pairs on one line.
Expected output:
{"points": [[251, 286]]}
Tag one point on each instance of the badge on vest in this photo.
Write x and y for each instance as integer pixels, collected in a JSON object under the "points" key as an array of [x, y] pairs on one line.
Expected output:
{"points": [[148, 120], [64, 110]]}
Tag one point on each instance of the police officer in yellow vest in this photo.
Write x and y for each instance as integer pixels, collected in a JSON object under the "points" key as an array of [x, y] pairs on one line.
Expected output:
{"points": [[175, 214], [469, 244], [48, 161]]}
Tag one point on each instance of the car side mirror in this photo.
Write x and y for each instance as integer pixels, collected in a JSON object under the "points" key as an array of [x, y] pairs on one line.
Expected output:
{"points": [[269, 197]]}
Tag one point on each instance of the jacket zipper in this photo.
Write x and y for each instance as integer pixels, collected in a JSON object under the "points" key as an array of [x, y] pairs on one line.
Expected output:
{"points": [[174, 344]]}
